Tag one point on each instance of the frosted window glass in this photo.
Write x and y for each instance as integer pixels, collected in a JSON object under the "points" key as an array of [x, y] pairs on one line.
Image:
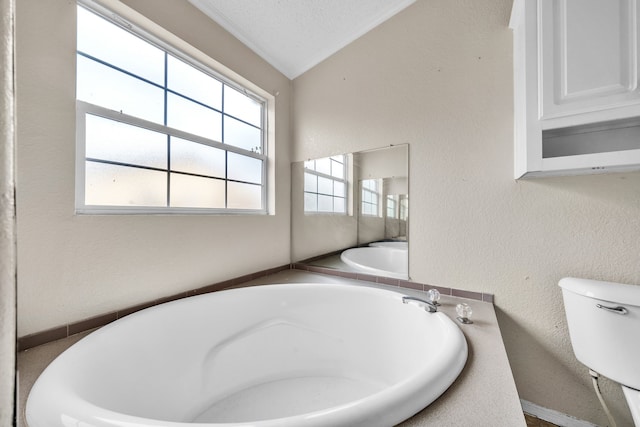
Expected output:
{"points": [[119, 142], [323, 165], [114, 45], [310, 202], [242, 135], [196, 192], [106, 87], [244, 196], [391, 207], [325, 185], [338, 189], [337, 169], [193, 83], [113, 185], [370, 184], [310, 183], [193, 118], [243, 168], [241, 106], [339, 205], [191, 157], [325, 203], [126, 164]]}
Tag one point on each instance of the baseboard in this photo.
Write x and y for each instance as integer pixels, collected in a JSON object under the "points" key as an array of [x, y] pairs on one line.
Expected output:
{"points": [[554, 417]]}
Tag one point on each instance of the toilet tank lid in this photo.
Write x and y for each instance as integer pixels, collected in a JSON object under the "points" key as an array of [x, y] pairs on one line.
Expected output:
{"points": [[606, 291]]}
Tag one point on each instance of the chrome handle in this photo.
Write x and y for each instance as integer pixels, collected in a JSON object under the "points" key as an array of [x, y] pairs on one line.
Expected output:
{"points": [[617, 310], [430, 307]]}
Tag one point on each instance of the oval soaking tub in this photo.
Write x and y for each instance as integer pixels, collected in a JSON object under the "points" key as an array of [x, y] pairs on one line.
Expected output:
{"points": [[378, 260], [276, 355]]}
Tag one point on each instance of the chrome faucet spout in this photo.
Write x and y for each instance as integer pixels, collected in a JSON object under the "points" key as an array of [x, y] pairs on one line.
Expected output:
{"points": [[429, 306]]}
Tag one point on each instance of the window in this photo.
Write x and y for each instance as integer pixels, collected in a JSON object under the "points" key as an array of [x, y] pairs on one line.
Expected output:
{"points": [[158, 131], [325, 185], [404, 208], [370, 197], [392, 205]]}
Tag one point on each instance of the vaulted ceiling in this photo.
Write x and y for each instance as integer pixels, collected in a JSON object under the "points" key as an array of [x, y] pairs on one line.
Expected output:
{"points": [[295, 35]]}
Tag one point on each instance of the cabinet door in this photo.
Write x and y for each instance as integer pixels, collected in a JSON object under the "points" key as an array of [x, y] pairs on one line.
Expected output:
{"points": [[588, 54]]}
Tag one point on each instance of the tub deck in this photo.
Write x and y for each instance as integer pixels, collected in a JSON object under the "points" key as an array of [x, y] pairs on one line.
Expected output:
{"points": [[483, 395]]}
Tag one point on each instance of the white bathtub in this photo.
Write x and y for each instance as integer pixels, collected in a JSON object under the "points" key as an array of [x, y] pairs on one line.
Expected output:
{"points": [[277, 355], [391, 244], [378, 260]]}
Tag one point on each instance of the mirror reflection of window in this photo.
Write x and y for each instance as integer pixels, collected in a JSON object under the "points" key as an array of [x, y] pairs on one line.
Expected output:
{"points": [[371, 197], [325, 185], [392, 206], [404, 207]]}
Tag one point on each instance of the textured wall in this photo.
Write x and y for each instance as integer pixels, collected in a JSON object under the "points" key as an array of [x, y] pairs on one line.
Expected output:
{"points": [[7, 215], [73, 267], [438, 76]]}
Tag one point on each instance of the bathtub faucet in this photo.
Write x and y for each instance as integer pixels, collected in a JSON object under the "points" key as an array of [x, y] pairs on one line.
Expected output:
{"points": [[430, 307]]}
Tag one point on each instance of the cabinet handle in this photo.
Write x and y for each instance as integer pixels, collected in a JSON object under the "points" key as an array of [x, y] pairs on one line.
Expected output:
{"points": [[617, 310]]}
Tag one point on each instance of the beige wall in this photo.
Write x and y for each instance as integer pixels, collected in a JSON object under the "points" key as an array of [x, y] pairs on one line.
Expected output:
{"points": [[438, 76], [73, 267]]}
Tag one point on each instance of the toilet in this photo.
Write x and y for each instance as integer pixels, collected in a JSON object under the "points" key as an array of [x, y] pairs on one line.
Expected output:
{"points": [[604, 326]]}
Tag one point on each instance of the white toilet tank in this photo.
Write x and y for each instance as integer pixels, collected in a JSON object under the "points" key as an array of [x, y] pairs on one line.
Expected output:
{"points": [[604, 325]]}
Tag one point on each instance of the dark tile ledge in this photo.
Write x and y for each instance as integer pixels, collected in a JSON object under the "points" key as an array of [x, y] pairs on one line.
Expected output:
{"points": [[60, 332]]}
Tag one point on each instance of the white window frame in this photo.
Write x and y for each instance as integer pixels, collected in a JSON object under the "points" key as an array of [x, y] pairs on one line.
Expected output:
{"points": [[201, 62]]}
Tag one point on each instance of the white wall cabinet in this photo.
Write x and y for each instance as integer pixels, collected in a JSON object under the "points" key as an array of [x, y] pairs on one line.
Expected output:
{"points": [[576, 74]]}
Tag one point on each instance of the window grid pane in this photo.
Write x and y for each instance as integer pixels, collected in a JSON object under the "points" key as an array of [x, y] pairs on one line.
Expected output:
{"points": [[370, 197], [196, 192], [118, 142], [404, 208], [190, 82], [102, 85], [391, 207], [194, 118], [197, 159], [131, 81], [324, 185], [97, 37], [116, 185]]}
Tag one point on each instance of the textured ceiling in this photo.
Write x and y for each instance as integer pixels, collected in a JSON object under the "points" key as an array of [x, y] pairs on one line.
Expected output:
{"points": [[295, 35]]}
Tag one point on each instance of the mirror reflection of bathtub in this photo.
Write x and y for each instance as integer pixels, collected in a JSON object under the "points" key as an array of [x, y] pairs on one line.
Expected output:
{"points": [[379, 259], [372, 202], [391, 244]]}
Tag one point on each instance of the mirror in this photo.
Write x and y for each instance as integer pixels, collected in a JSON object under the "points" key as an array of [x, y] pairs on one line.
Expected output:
{"points": [[350, 212]]}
